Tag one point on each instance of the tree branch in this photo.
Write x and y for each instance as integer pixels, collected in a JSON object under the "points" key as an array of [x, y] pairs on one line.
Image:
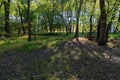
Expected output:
{"points": [[108, 11]]}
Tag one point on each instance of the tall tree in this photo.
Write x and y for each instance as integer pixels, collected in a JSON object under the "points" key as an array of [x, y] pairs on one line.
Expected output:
{"points": [[7, 12], [21, 16], [77, 17], [91, 20], [102, 37], [29, 22], [103, 27]]}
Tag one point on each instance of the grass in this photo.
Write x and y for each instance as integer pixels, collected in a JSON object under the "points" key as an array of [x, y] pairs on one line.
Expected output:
{"points": [[114, 36], [42, 41], [49, 65]]}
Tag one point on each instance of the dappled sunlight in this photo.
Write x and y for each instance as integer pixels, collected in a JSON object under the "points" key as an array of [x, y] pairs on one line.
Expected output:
{"points": [[97, 54], [106, 55], [59, 40], [70, 60], [82, 39], [111, 57], [73, 77], [52, 43], [2, 42], [76, 57], [110, 44], [23, 37]]}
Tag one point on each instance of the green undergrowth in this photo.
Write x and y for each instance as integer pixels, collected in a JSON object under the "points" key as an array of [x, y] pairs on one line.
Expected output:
{"points": [[38, 65], [114, 36], [42, 41]]}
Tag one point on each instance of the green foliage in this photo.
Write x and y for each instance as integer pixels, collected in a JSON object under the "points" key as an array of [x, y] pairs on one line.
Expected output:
{"points": [[43, 41], [48, 13], [114, 36], [29, 46]]}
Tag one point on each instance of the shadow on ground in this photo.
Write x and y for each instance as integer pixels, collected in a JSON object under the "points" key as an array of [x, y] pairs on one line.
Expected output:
{"points": [[72, 60]]}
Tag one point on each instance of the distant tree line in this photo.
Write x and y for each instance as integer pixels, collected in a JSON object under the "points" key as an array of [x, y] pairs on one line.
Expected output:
{"points": [[63, 16]]}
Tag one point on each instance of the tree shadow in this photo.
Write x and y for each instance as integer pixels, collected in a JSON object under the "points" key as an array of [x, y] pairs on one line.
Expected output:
{"points": [[71, 60], [88, 61]]}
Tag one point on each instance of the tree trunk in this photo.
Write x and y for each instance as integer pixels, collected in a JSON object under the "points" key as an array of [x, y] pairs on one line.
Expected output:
{"points": [[107, 30], [7, 12], [98, 30], [77, 28], [102, 37], [91, 27], [91, 20], [29, 22], [77, 19], [21, 18], [116, 29]]}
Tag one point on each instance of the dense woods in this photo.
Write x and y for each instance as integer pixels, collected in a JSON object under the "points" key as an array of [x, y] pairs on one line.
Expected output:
{"points": [[59, 39], [54, 16]]}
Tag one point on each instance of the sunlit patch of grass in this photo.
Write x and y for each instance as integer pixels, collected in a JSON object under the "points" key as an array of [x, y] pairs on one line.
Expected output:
{"points": [[11, 44], [29, 46], [43, 41], [2, 42], [114, 36], [23, 37]]}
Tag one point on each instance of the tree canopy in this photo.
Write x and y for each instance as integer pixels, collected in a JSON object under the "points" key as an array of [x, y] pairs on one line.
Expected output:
{"points": [[70, 16]]}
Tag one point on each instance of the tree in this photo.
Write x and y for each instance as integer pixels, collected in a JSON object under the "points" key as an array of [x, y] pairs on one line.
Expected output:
{"points": [[103, 27], [77, 17], [21, 16], [29, 22], [91, 20], [7, 12], [103, 17]]}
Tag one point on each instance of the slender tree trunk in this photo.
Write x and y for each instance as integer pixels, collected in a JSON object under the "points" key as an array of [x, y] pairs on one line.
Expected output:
{"points": [[116, 29], [49, 21], [91, 20], [62, 14], [77, 19], [50, 25], [82, 25], [110, 24], [29, 22], [107, 30], [71, 21], [98, 29], [91, 27], [7, 12], [77, 28], [54, 5], [66, 27], [21, 18]]}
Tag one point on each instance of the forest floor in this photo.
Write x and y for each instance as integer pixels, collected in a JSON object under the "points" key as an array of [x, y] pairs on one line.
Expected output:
{"points": [[71, 60]]}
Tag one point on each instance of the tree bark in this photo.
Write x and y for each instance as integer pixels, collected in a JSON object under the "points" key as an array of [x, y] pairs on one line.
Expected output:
{"points": [[21, 18], [29, 22], [7, 12], [91, 27], [77, 19], [91, 20], [98, 29], [102, 37], [116, 29]]}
